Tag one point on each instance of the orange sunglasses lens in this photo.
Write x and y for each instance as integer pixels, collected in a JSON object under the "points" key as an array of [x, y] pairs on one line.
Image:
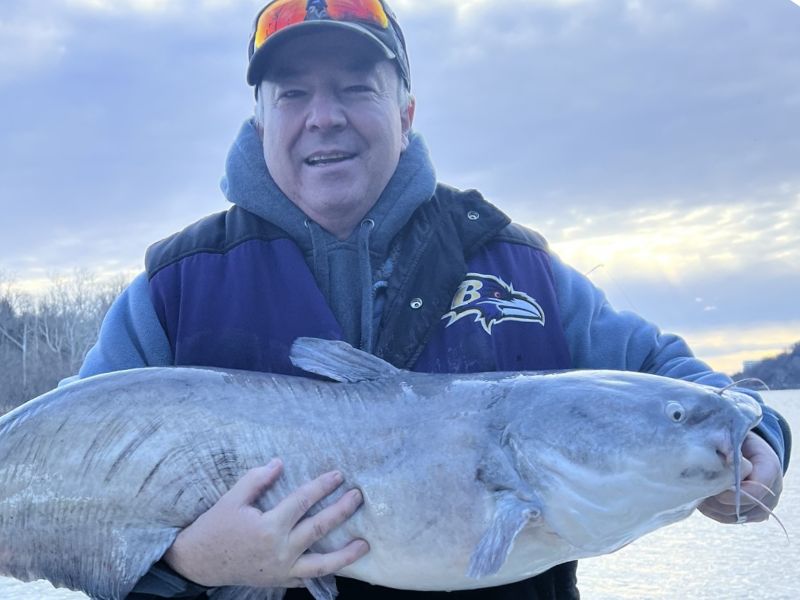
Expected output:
{"points": [[277, 16], [358, 10], [283, 13]]}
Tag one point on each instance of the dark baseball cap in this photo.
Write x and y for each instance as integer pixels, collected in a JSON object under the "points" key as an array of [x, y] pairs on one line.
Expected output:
{"points": [[281, 18]]}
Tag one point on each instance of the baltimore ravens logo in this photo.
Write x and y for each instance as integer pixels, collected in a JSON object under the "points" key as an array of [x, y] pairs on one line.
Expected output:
{"points": [[491, 300]]}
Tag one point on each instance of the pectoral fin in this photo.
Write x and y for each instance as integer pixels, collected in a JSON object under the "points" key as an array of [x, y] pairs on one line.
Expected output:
{"points": [[511, 515], [246, 593], [322, 588]]}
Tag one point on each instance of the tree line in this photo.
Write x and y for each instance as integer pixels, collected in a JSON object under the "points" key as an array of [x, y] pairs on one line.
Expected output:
{"points": [[780, 372], [45, 337]]}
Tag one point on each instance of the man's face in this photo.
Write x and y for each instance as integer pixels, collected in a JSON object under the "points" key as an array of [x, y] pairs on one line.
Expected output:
{"points": [[333, 126]]}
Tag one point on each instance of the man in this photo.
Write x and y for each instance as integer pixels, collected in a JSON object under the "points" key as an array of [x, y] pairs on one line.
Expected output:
{"points": [[339, 230]]}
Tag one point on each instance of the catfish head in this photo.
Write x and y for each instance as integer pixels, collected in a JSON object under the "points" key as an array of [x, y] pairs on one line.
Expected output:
{"points": [[614, 455]]}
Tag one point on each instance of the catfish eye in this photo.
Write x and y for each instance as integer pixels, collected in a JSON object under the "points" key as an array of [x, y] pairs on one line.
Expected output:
{"points": [[675, 412]]}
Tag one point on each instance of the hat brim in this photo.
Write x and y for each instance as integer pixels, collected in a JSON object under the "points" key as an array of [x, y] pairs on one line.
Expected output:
{"points": [[259, 61]]}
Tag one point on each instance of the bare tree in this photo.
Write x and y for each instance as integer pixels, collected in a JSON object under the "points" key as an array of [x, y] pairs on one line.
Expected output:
{"points": [[15, 330], [45, 339]]}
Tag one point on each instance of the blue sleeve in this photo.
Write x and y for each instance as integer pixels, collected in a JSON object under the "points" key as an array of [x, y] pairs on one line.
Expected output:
{"points": [[131, 335], [600, 337]]}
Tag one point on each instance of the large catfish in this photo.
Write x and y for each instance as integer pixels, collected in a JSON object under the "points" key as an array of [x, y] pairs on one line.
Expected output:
{"points": [[468, 480]]}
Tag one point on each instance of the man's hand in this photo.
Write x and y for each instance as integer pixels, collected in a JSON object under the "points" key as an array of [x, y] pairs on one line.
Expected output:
{"points": [[234, 543], [760, 465]]}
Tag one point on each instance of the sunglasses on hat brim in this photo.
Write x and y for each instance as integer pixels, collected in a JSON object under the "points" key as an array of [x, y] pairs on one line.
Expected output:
{"points": [[281, 14], [369, 17]]}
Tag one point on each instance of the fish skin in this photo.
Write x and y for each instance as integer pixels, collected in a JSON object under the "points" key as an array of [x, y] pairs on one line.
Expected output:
{"points": [[498, 475]]}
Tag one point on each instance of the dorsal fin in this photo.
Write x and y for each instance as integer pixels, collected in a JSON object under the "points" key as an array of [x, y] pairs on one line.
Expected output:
{"points": [[338, 361]]}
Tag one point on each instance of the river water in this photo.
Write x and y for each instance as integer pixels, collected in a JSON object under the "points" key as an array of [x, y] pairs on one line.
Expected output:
{"points": [[697, 559]]}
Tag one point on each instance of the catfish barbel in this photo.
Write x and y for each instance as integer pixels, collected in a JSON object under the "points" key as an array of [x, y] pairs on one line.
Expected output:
{"points": [[468, 480]]}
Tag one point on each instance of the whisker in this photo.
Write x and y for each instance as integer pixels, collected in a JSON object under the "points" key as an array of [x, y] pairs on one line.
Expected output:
{"points": [[737, 475], [766, 487], [767, 509], [745, 380]]}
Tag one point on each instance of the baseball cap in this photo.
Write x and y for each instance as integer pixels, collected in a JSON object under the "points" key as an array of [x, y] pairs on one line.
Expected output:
{"points": [[281, 18]]}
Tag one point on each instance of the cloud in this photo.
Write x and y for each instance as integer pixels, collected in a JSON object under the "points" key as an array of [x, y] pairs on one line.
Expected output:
{"points": [[724, 238], [727, 348], [163, 7], [28, 43], [723, 265], [34, 42], [657, 137], [594, 110], [564, 106], [122, 139], [109, 5]]}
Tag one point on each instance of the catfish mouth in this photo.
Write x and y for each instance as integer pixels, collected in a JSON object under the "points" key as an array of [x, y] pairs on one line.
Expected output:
{"points": [[702, 473], [721, 470]]}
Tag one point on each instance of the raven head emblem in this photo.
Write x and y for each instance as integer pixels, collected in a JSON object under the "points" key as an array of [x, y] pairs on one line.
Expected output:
{"points": [[491, 300]]}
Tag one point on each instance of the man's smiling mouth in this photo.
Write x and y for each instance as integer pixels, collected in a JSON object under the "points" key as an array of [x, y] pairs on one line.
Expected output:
{"points": [[328, 158]]}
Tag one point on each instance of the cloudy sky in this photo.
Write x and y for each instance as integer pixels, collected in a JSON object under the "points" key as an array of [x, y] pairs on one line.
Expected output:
{"points": [[655, 143]]}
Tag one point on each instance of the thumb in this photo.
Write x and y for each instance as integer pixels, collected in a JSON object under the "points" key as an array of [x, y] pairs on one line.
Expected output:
{"points": [[254, 483], [747, 468]]}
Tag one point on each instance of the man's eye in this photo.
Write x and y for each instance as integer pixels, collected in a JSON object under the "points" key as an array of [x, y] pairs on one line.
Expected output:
{"points": [[359, 89], [290, 94]]}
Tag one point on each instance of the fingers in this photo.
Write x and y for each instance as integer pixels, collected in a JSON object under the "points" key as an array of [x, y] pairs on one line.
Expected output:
{"points": [[234, 543], [254, 483], [763, 492], [751, 513], [764, 483], [767, 469], [726, 513], [318, 526], [723, 506], [318, 565], [292, 508]]}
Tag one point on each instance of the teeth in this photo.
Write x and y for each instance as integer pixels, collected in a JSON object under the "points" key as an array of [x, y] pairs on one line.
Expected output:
{"points": [[327, 158]]}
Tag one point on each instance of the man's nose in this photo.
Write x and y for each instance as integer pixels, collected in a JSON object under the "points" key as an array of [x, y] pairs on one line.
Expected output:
{"points": [[325, 111]]}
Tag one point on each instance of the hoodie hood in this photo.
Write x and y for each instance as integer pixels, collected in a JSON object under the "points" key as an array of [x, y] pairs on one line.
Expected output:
{"points": [[365, 256], [248, 184]]}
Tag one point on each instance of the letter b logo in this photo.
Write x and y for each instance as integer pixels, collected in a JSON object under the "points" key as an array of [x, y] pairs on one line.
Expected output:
{"points": [[467, 292]]}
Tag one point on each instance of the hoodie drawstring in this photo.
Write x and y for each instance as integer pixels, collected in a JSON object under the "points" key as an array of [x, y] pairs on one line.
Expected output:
{"points": [[319, 256], [367, 291]]}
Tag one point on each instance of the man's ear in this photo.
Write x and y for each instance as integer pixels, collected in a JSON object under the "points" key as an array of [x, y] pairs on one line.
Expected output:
{"points": [[407, 119], [258, 111]]}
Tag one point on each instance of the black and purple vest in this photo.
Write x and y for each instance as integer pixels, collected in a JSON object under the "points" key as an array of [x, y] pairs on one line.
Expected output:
{"points": [[471, 293]]}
